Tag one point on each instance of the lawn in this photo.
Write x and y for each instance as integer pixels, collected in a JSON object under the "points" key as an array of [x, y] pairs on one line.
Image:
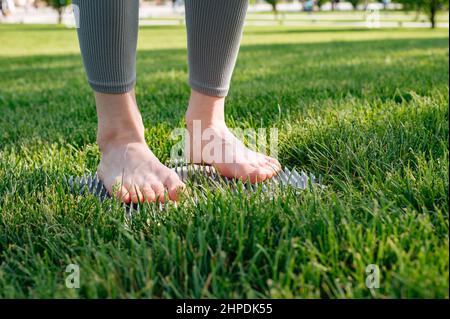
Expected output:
{"points": [[365, 109]]}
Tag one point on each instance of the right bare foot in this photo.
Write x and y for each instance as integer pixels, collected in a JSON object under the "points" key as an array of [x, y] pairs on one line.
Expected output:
{"points": [[128, 168]]}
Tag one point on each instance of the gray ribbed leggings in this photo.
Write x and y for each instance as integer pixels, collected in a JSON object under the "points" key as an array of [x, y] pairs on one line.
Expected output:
{"points": [[108, 32]]}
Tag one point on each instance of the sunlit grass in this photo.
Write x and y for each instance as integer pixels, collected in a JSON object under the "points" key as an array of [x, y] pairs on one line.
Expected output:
{"points": [[366, 110]]}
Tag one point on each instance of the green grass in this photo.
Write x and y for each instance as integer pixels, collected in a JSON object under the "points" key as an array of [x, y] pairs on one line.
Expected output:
{"points": [[366, 109]]}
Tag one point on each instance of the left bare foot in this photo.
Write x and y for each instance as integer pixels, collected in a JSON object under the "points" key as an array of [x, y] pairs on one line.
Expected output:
{"points": [[222, 149]]}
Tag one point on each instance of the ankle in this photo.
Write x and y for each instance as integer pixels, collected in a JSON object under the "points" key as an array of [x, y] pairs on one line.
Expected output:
{"points": [[209, 110], [113, 139], [119, 121]]}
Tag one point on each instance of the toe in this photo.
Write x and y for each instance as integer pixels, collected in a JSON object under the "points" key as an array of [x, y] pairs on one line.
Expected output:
{"points": [[135, 194], [140, 195], [158, 188], [174, 186], [148, 193], [259, 175], [123, 194], [271, 169], [175, 190], [274, 163], [265, 169], [268, 165], [252, 173], [243, 172]]}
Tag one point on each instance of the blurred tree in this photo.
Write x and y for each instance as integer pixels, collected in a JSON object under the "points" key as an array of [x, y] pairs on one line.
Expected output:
{"points": [[354, 3], [273, 3], [430, 7], [320, 3], [333, 4], [385, 3], [59, 5]]}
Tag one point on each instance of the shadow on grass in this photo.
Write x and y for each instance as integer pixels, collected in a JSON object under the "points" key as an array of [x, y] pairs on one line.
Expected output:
{"points": [[47, 96], [294, 30]]}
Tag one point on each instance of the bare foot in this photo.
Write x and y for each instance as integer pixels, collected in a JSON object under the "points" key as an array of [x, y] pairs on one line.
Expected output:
{"points": [[128, 168], [211, 142]]}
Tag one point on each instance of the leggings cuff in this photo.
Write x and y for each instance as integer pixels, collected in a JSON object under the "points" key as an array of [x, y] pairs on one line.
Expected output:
{"points": [[112, 88], [207, 90]]}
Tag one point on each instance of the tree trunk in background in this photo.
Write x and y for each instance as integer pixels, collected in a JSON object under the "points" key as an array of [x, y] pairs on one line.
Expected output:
{"points": [[333, 4], [433, 11], [60, 15], [274, 7]]}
